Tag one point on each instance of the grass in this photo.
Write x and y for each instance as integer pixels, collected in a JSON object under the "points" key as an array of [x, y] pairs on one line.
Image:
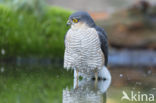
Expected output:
{"points": [[25, 34]]}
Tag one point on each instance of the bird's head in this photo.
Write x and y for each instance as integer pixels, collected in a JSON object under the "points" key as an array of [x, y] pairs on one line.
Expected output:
{"points": [[80, 19]]}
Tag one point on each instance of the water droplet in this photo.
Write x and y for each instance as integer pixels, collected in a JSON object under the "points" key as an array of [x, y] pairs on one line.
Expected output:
{"points": [[154, 88], [2, 51], [138, 83], [121, 75], [2, 69], [149, 72]]}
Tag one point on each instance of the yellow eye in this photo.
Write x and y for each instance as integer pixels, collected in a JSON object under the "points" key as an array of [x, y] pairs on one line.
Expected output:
{"points": [[75, 20]]}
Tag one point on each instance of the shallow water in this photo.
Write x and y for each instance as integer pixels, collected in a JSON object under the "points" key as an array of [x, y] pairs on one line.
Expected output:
{"points": [[53, 84]]}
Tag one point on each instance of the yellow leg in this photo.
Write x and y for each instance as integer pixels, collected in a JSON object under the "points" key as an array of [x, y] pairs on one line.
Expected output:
{"points": [[96, 78], [77, 74]]}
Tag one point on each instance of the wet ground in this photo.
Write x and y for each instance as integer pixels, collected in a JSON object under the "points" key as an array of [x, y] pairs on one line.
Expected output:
{"points": [[53, 84]]}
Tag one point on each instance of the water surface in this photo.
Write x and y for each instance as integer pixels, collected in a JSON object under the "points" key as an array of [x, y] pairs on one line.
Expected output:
{"points": [[53, 84]]}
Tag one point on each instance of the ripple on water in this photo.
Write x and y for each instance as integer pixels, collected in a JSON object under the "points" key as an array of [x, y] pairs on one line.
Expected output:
{"points": [[121, 75]]}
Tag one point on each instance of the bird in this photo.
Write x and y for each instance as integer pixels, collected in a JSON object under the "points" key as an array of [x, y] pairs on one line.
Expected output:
{"points": [[86, 92], [86, 47]]}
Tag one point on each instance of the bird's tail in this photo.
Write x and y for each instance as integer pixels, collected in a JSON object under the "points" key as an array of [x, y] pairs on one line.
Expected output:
{"points": [[104, 73]]}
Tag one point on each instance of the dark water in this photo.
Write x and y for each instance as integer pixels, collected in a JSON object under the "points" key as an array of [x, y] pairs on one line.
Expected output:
{"points": [[53, 84]]}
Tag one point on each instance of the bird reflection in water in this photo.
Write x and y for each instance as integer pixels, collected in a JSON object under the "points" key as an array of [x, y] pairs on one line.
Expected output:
{"points": [[86, 91]]}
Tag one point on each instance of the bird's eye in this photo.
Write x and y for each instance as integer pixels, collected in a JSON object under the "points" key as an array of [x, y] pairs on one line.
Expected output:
{"points": [[75, 20]]}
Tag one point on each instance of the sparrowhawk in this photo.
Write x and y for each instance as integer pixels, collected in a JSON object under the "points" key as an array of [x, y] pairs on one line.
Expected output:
{"points": [[86, 46]]}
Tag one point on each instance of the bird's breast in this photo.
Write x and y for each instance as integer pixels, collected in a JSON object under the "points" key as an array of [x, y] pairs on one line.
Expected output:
{"points": [[82, 39], [83, 49]]}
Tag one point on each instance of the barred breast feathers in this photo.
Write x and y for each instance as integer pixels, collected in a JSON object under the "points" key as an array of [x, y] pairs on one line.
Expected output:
{"points": [[83, 50]]}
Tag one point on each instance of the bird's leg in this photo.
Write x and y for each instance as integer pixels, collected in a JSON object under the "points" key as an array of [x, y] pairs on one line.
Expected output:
{"points": [[77, 74], [96, 78]]}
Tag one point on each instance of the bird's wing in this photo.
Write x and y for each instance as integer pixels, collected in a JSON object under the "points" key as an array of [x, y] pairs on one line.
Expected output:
{"points": [[104, 42]]}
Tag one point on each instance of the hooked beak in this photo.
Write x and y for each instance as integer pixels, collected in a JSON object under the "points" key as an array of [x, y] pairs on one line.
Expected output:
{"points": [[69, 23]]}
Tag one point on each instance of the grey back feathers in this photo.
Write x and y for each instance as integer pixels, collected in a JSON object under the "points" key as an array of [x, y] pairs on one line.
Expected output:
{"points": [[104, 42]]}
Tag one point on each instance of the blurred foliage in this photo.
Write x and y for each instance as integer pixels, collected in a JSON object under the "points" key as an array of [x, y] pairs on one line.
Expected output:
{"points": [[23, 34], [31, 6], [33, 84]]}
